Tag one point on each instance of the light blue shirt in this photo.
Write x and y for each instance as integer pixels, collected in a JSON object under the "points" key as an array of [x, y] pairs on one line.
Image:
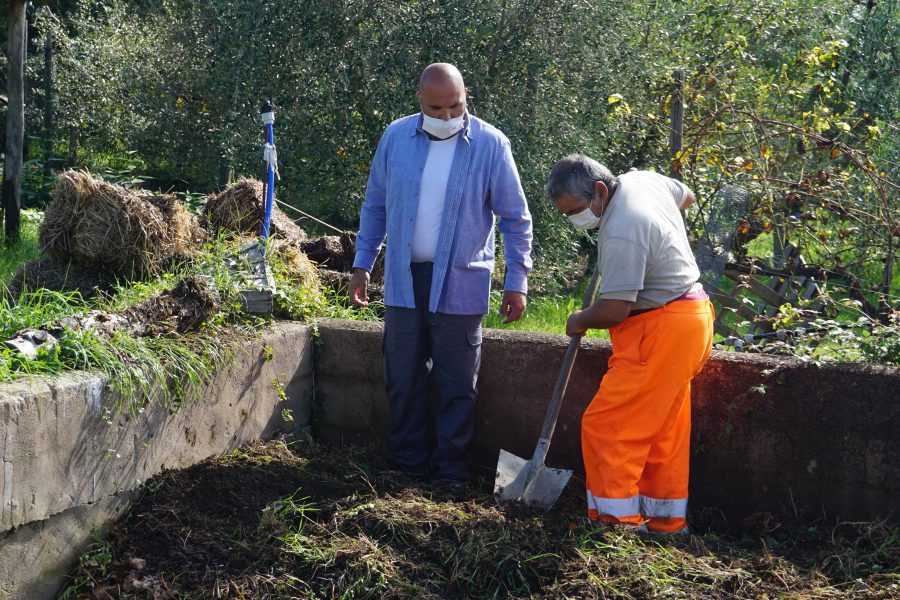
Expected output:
{"points": [[483, 183]]}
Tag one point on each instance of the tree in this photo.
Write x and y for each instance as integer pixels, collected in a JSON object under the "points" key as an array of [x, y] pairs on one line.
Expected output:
{"points": [[15, 120]]}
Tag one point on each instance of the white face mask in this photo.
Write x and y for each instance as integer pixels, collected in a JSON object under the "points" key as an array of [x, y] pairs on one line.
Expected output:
{"points": [[585, 219], [442, 129]]}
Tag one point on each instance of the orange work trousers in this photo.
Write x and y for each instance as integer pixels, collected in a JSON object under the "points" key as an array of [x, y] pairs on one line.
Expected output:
{"points": [[635, 434]]}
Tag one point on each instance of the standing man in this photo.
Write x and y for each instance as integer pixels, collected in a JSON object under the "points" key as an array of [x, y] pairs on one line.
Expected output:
{"points": [[437, 180], [635, 434]]}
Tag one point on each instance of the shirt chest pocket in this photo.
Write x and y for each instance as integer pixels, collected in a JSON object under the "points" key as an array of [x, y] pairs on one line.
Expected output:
{"points": [[402, 181], [403, 169]]}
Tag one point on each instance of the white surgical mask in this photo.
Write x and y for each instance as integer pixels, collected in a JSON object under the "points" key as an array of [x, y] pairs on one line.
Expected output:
{"points": [[442, 129], [585, 219]]}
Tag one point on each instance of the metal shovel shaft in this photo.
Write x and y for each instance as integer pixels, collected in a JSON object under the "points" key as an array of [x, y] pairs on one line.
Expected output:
{"points": [[530, 481]]}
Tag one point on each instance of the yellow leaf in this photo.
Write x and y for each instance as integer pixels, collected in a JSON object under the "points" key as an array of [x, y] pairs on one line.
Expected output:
{"points": [[614, 99], [748, 166], [835, 152], [765, 151], [842, 126]]}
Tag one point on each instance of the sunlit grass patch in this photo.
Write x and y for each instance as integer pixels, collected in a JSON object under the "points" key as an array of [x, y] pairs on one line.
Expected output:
{"points": [[27, 248], [544, 314]]}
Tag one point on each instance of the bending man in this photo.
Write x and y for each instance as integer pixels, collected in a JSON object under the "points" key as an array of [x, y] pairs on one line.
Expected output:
{"points": [[635, 434], [437, 181]]}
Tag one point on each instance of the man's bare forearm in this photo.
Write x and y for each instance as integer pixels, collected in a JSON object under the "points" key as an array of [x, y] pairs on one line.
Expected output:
{"points": [[603, 314]]}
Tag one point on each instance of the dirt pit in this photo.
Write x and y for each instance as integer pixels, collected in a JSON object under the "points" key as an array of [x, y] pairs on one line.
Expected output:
{"points": [[300, 521]]}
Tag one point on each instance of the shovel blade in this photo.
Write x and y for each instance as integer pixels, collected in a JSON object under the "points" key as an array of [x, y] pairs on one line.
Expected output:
{"points": [[545, 486], [512, 476], [523, 481]]}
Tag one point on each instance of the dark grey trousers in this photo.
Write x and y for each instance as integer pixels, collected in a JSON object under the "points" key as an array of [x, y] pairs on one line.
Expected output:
{"points": [[419, 343]]}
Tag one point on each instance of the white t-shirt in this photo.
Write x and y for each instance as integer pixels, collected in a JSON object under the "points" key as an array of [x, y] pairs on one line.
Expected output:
{"points": [[432, 194], [644, 254]]}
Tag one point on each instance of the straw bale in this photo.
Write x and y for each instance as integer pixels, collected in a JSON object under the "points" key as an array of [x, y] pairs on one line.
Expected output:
{"points": [[127, 232], [336, 253], [298, 267], [60, 276], [187, 235], [240, 208]]}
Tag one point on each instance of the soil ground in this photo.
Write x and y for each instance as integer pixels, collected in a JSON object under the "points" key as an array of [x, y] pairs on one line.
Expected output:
{"points": [[297, 520]]}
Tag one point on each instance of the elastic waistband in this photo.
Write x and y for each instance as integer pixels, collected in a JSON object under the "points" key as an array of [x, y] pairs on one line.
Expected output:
{"points": [[693, 295]]}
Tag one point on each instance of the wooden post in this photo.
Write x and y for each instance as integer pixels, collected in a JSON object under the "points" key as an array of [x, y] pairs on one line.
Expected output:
{"points": [[49, 103], [778, 240], [226, 171], [887, 278], [676, 109], [72, 156], [15, 121]]}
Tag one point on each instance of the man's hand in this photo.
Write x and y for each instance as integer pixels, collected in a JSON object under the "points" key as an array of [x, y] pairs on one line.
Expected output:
{"points": [[512, 306], [358, 287], [573, 324]]}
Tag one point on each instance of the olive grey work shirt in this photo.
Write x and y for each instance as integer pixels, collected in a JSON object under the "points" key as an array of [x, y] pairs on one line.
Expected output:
{"points": [[644, 254]]}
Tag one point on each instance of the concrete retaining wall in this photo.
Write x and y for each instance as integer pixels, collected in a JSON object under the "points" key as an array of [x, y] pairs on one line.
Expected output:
{"points": [[768, 434], [68, 466]]}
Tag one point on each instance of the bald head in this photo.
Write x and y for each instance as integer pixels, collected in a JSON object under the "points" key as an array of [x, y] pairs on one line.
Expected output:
{"points": [[441, 74], [442, 93]]}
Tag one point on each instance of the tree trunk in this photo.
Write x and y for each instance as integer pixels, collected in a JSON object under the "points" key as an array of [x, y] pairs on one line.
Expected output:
{"points": [[15, 121], [74, 137], [49, 102], [676, 126], [226, 172]]}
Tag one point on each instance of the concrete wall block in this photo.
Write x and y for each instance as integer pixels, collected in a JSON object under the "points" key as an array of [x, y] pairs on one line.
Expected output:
{"points": [[769, 434], [61, 448], [36, 557]]}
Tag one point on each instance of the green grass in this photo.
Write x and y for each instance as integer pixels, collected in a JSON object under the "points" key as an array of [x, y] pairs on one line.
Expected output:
{"points": [[11, 258], [137, 367], [544, 314], [165, 368]]}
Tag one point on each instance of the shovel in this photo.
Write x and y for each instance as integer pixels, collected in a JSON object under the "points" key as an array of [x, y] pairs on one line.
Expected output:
{"points": [[531, 481], [258, 297]]}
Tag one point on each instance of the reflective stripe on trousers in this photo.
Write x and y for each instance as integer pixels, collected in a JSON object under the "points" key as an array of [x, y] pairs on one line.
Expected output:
{"points": [[638, 505]]}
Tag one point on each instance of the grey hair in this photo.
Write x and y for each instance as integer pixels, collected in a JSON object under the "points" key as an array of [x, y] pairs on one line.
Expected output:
{"points": [[576, 175]]}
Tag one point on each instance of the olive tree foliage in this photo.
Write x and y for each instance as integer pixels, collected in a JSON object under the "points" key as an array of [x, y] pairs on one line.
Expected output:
{"points": [[794, 99], [181, 87]]}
